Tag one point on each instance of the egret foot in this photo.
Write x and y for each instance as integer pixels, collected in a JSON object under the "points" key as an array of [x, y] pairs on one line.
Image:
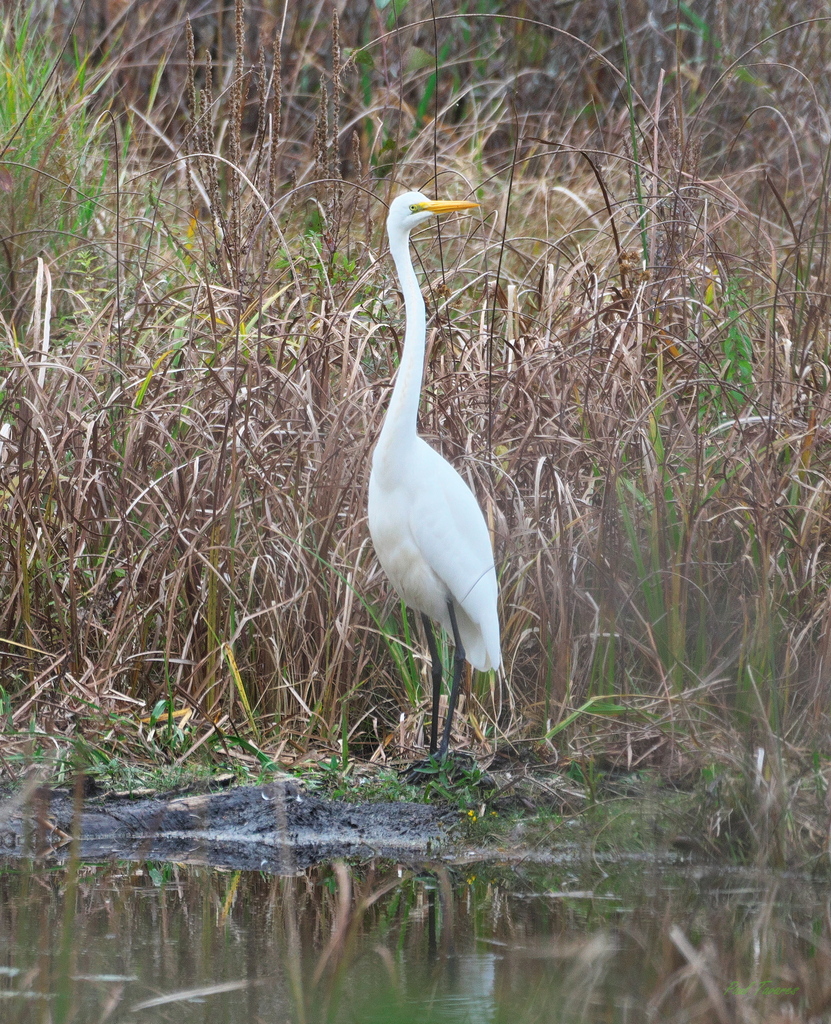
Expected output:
{"points": [[449, 769]]}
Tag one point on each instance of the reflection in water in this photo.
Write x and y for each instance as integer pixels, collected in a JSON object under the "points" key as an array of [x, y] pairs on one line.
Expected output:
{"points": [[381, 943]]}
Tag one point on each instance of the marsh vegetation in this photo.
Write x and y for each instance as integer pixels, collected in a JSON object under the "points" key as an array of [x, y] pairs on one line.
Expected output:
{"points": [[627, 359]]}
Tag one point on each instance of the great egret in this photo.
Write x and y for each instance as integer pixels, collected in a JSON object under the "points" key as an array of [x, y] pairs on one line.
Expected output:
{"points": [[428, 530]]}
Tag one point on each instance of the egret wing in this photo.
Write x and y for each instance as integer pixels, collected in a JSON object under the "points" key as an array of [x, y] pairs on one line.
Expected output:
{"points": [[450, 531]]}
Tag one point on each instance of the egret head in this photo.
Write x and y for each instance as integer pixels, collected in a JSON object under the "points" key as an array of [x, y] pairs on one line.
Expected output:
{"points": [[409, 210]]}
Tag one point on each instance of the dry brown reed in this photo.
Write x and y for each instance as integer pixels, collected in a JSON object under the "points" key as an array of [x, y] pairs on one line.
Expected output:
{"points": [[627, 360]]}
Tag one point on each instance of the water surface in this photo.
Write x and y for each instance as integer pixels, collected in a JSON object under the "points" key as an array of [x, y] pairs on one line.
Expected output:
{"points": [[582, 939]]}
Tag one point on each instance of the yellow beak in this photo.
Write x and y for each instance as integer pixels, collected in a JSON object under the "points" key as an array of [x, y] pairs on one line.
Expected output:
{"points": [[447, 205]]}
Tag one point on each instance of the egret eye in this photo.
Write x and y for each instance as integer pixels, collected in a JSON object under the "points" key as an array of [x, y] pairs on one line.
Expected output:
{"points": [[414, 208]]}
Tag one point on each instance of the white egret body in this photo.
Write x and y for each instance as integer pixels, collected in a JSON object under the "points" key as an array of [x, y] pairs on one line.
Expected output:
{"points": [[428, 530]]}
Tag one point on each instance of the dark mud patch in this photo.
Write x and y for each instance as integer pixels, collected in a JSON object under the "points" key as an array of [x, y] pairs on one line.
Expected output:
{"points": [[279, 828]]}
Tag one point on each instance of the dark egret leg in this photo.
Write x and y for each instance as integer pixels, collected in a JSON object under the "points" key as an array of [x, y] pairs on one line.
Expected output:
{"points": [[458, 665], [435, 669]]}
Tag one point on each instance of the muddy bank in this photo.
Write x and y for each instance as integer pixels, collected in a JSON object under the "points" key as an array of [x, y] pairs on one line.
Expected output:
{"points": [[278, 828]]}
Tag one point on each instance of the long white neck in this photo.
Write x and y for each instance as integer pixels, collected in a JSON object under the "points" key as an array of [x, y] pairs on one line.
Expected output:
{"points": [[399, 430]]}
